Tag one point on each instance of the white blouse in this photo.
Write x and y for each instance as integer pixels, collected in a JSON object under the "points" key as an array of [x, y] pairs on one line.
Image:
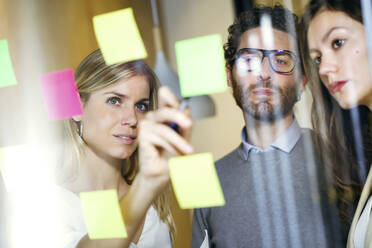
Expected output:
{"points": [[154, 234], [362, 225]]}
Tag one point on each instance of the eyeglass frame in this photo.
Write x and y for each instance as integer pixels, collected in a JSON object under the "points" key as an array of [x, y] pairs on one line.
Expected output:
{"points": [[266, 53]]}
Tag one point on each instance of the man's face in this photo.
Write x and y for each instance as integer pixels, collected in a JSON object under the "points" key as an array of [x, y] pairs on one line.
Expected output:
{"points": [[263, 93]]}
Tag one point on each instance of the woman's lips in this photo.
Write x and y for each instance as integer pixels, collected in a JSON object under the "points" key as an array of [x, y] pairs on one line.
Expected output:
{"points": [[125, 139], [336, 86]]}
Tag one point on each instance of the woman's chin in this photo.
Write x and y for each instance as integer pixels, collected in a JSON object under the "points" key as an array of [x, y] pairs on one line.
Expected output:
{"points": [[346, 101], [347, 104]]}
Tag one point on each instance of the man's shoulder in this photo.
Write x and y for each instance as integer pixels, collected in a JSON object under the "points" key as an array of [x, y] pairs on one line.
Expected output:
{"points": [[233, 156], [308, 134]]}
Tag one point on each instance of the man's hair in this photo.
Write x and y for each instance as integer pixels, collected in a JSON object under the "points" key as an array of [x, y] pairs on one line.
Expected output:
{"points": [[281, 18]]}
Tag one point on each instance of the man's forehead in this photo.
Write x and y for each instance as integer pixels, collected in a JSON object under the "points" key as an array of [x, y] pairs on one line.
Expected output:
{"points": [[267, 38]]}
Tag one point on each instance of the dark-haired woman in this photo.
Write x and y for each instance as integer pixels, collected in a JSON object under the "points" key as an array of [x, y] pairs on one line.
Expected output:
{"points": [[336, 59]]}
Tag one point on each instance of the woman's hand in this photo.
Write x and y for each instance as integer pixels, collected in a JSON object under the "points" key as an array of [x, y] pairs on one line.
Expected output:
{"points": [[158, 142]]}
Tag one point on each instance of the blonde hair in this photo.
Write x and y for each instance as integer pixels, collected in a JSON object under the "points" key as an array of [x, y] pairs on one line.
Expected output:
{"points": [[91, 75]]}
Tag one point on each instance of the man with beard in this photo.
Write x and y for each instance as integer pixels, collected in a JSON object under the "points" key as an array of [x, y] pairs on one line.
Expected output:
{"points": [[276, 195]]}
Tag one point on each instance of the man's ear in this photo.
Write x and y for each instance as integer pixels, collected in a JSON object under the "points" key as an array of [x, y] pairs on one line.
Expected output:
{"points": [[229, 76]]}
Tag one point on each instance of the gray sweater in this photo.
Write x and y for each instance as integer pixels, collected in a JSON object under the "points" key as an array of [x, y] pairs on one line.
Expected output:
{"points": [[273, 199]]}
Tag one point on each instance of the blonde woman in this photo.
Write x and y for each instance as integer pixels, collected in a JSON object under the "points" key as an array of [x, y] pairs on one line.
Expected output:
{"points": [[101, 151]]}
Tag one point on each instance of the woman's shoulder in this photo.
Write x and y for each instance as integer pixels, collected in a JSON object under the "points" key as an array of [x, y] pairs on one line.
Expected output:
{"points": [[154, 231]]}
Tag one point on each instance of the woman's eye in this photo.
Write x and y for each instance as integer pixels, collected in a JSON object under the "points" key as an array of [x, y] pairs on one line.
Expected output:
{"points": [[114, 100], [317, 60], [143, 107], [337, 43]]}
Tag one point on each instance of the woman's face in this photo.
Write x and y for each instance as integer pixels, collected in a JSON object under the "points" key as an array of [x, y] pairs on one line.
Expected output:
{"points": [[111, 116], [337, 43]]}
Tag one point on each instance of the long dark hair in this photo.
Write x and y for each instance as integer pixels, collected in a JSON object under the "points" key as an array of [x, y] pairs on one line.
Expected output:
{"points": [[345, 135]]}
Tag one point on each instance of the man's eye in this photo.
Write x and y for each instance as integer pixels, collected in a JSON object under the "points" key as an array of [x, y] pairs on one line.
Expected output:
{"points": [[338, 43], [114, 100], [143, 107], [280, 61]]}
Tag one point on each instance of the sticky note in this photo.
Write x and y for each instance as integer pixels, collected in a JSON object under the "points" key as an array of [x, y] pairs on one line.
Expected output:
{"points": [[201, 65], [7, 76], [195, 181], [102, 214], [118, 36], [60, 94]]}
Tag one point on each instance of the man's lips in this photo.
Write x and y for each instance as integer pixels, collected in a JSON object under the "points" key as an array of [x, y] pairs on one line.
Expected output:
{"points": [[126, 139], [336, 86], [263, 92]]}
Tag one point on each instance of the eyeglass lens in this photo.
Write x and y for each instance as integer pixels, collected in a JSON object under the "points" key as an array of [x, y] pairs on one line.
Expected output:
{"points": [[279, 61]]}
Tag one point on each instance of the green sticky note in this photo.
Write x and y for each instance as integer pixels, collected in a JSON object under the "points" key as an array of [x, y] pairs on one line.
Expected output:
{"points": [[102, 214], [201, 66], [7, 76], [195, 181], [118, 36]]}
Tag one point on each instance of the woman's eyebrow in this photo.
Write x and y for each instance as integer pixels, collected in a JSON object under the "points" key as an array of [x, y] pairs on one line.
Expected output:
{"points": [[115, 93], [326, 35], [144, 100]]}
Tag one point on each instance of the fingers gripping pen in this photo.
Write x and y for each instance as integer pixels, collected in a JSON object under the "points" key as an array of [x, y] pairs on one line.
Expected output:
{"points": [[184, 104]]}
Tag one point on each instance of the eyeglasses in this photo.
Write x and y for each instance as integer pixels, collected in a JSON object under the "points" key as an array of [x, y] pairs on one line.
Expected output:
{"points": [[281, 61]]}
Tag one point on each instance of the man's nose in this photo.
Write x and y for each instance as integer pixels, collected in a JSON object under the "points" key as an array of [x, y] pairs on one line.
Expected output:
{"points": [[266, 70]]}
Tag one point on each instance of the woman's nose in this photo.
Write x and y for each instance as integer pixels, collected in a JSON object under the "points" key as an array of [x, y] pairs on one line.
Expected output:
{"points": [[129, 117], [327, 66]]}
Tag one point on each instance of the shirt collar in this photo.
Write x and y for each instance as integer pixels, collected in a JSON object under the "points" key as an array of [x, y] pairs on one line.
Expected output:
{"points": [[285, 142]]}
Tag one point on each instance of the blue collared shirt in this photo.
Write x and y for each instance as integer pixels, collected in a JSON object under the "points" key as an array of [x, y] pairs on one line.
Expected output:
{"points": [[285, 142]]}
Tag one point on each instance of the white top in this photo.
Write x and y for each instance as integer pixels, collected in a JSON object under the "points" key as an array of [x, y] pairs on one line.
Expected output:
{"points": [[362, 225], [154, 234]]}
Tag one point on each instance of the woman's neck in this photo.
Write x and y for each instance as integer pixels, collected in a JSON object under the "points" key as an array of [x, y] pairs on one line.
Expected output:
{"points": [[97, 172]]}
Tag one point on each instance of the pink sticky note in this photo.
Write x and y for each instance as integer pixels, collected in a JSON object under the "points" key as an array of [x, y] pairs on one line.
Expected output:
{"points": [[61, 96]]}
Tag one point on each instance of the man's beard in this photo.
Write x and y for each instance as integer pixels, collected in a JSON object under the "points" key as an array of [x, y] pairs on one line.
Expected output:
{"points": [[264, 110]]}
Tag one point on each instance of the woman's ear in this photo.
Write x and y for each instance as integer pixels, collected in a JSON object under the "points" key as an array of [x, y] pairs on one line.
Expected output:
{"points": [[229, 76], [303, 81], [77, 118]]}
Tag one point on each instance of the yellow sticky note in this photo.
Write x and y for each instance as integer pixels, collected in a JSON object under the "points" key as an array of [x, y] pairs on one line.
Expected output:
{"points": [[201, 66], [195, 181], [118, 36], [102, 214]]}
